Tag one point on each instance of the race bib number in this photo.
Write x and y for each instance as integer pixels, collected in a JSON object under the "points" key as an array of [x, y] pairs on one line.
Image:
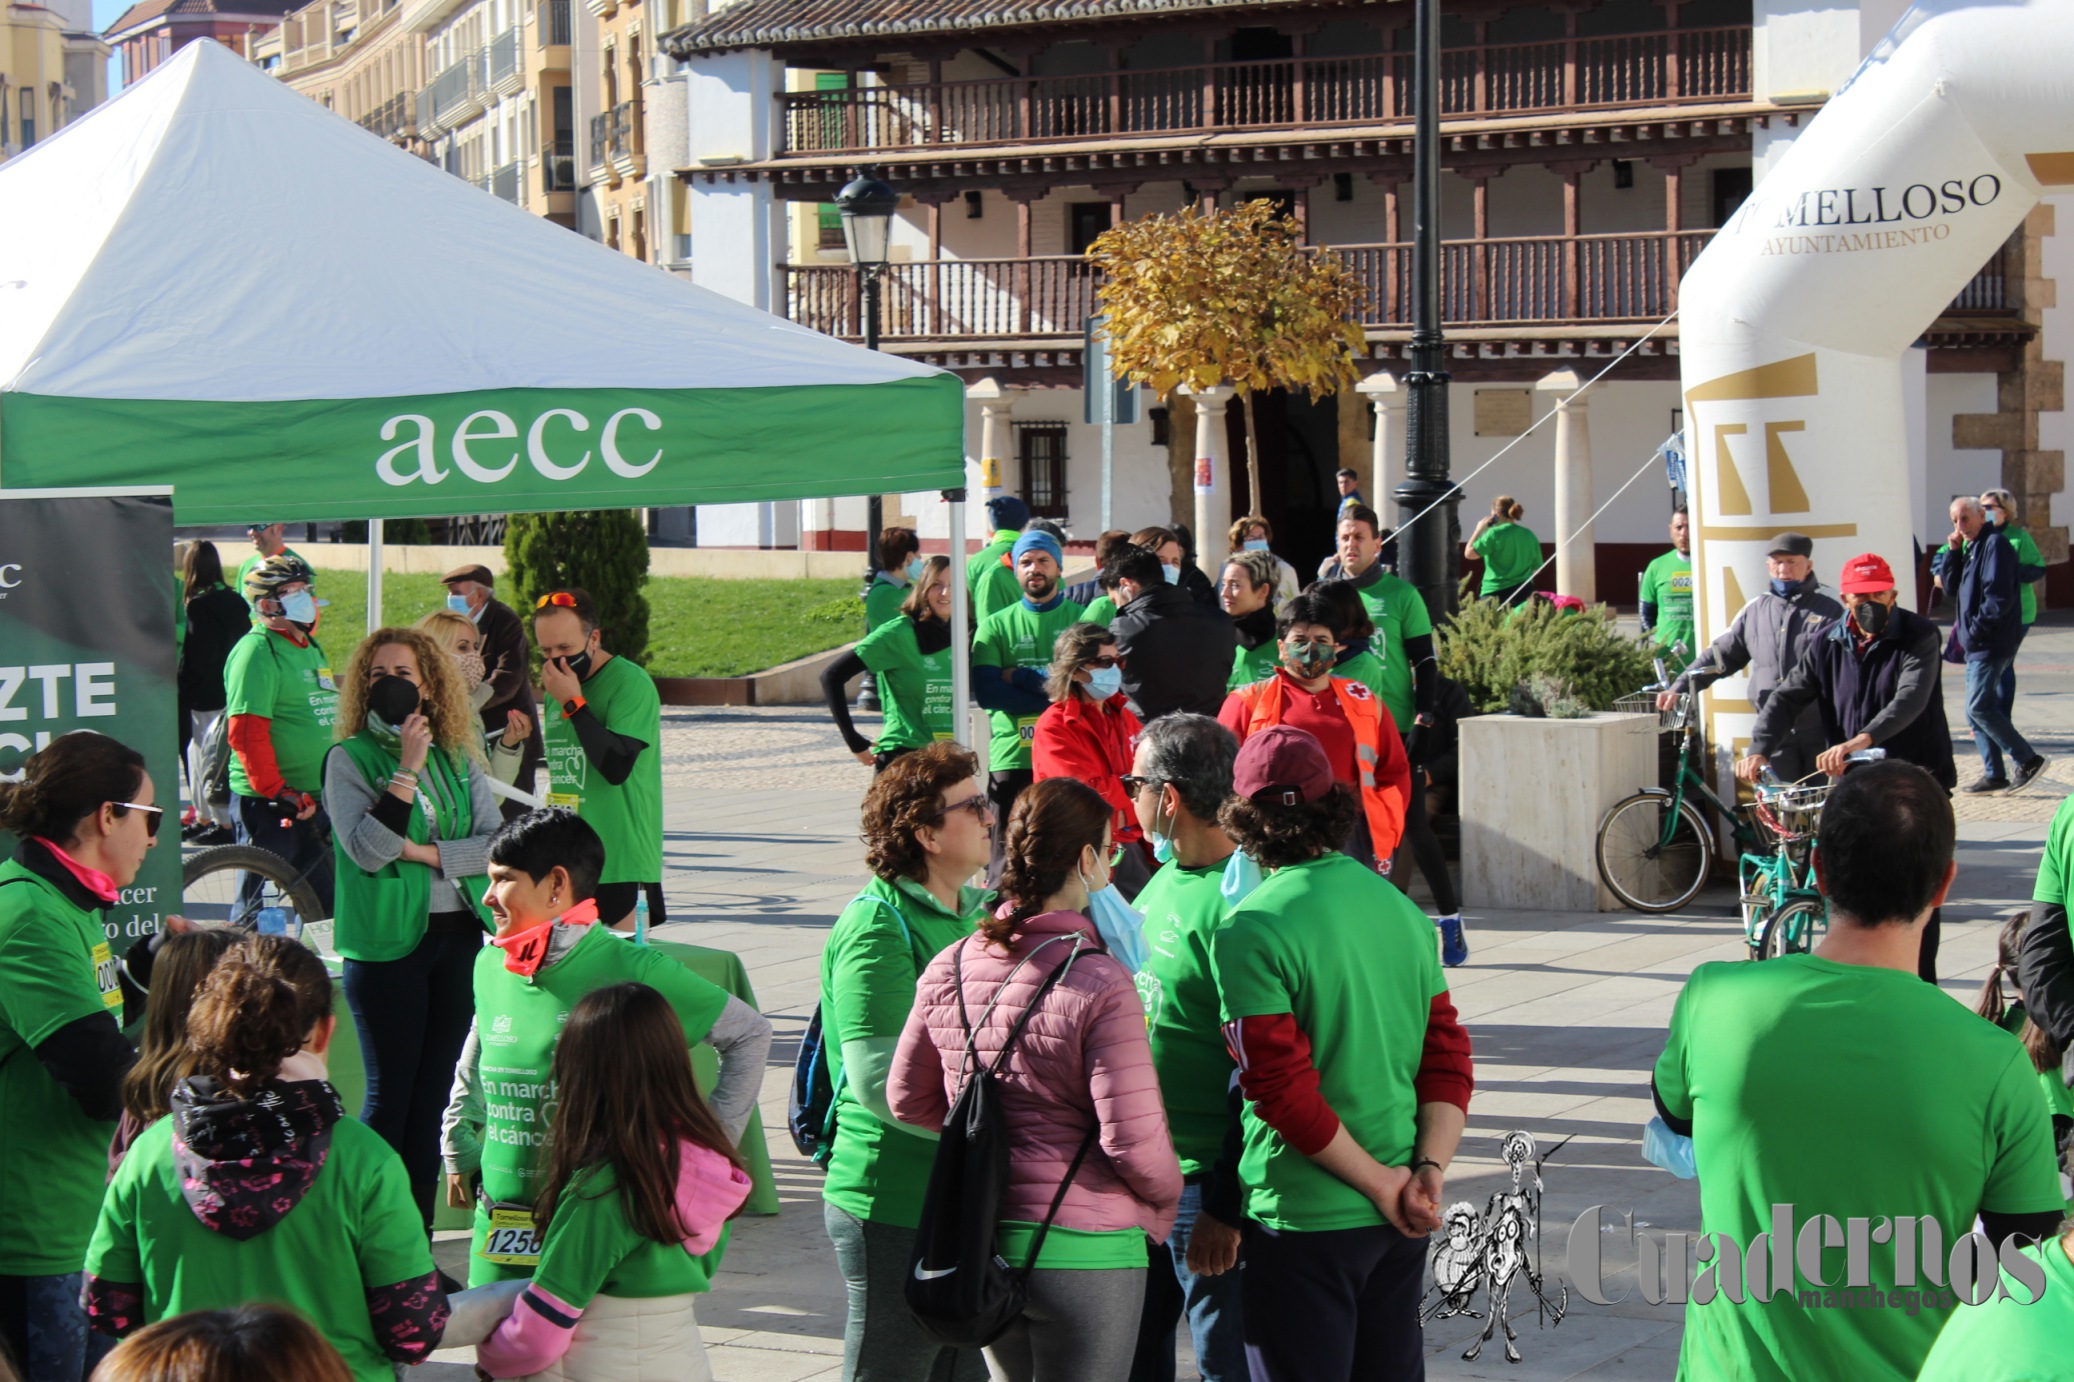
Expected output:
{"points": [[1026, 728], [108, 974], [324, 679], [513, 1240], [572, 800]]}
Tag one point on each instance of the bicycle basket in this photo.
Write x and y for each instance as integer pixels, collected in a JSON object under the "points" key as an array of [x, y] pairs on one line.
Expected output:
{"points": [[1790, 813], [1644, 703]]}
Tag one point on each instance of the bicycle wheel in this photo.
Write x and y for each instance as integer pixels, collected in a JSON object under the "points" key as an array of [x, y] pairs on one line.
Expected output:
{"points": [[1648, 866], [211, 880], [1794, 929]]}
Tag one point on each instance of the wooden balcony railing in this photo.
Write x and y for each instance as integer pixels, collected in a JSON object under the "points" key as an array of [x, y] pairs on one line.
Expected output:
{"points": [[1544, 280], [1672, 67]]}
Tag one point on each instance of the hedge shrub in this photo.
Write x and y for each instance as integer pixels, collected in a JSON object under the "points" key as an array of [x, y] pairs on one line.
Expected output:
{"points": [[603, 551], [1565, 662]]}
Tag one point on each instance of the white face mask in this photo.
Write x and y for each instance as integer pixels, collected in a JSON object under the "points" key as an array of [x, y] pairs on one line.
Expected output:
{"points": [[1172, 573]]}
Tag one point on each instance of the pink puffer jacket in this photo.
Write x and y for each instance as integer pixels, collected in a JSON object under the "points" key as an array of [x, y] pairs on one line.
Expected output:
{"points": [[1083, 1057]]}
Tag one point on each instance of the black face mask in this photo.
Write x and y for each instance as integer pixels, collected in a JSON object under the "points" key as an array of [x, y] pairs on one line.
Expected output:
{"points": [[1871, 618], [579, 665], [393, 698]]}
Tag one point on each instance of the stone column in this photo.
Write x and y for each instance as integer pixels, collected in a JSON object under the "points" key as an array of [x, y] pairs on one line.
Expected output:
{"points": [[1575, 574], [1387, 451], [1212, 478], [996, 450]]}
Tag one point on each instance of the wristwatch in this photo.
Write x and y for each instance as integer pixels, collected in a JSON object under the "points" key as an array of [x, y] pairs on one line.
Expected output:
{"points": [[572, 705]]}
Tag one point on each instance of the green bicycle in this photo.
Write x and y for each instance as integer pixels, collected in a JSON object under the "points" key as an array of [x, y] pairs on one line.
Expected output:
{"points": [[1654, 849], [1783, 912]]}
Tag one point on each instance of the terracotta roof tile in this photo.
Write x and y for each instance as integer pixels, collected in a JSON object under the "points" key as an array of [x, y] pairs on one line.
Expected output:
{"points": [[779, 23]]}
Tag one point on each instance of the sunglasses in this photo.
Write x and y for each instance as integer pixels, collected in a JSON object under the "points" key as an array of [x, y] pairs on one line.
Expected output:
{"points": [[1105, 662], [558, 599], [978, 805], [1134, 784], [152, 815]]}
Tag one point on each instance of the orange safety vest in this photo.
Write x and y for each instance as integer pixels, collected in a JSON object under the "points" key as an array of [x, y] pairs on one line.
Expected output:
{"points": [[1382, 802]]}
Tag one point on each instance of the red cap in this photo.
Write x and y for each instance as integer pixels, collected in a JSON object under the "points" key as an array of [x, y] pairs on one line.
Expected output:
{"points": [[1284, 765], [1866, 574]]}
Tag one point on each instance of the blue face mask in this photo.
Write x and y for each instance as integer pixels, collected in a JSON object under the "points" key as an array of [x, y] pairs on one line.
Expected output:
{"points": [[457, 603], [915, 569], [1121, 926], [1254, 544], [1104, 682], [299, 608], [1785, 590], [1172, 573], [1162, 847], [1241, 877]]}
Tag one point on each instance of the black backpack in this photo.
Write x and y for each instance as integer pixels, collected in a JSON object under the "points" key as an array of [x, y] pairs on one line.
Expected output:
{"points": [[959, 1288], [810, 1109]]}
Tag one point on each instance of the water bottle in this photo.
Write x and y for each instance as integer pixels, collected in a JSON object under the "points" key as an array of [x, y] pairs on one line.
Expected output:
{"points": [[274, 921], [640, 916]]}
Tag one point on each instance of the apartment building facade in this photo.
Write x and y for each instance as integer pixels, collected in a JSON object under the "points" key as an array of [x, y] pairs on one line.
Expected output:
{"points": [[151, 31], [53, 69], [498, 105], [354, 57], [1589, 151], [633, 96]]}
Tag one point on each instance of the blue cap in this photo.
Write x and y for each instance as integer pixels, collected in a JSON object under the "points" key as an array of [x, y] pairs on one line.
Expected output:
{"points": [[1037, 540], [1007, 513]]}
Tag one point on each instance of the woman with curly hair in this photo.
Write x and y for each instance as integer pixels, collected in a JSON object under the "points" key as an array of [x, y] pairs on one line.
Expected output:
{"points": [[412, 815], [1345, 1158], [1079, 1098], [927, 831]]}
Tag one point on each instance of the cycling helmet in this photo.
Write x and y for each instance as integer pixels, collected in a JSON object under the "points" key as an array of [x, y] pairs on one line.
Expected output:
{"points": [[283, 568]]}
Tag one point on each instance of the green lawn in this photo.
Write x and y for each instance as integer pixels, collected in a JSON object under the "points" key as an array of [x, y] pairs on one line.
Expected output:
{"points": [[698, 627]]}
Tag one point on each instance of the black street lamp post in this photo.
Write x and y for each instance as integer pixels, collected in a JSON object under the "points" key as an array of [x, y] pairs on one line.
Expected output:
{"points": [[867, 206], [1428, 551]]}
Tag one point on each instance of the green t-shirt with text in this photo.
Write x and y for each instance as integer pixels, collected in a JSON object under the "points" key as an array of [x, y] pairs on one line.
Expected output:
{"points": [[1854, 1092], [882, 602], [290, 685], [593, 1249], [1667, 584], [1398, 612], [873, 959], [627, 817], [517, 1022], [992, 581], [1017, 636], [355, 1229], [1249, 665], [914, 687], [1510, 554], [1183, 909], [1354, 960], [56, 967]]}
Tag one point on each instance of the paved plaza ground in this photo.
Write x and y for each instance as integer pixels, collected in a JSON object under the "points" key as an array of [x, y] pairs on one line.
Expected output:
{"points": [[1567, 1011]]}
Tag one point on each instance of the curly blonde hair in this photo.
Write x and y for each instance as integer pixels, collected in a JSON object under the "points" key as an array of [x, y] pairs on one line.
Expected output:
{"points": [[443, 698]]}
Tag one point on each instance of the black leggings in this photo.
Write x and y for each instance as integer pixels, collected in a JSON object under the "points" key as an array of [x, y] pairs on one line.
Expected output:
{"points": [[412, 1015], [1422, 844]]}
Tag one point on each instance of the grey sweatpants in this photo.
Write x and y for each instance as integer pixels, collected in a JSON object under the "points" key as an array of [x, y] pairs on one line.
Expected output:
{"points": [[1081, 1326], [881, 1341]]}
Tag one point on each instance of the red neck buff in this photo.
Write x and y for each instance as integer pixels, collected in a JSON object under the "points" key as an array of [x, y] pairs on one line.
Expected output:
{"points": [[525, 951]]}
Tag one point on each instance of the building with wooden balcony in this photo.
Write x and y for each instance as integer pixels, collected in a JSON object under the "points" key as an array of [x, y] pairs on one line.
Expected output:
{"points": [[632, 136], [1589, 149]]}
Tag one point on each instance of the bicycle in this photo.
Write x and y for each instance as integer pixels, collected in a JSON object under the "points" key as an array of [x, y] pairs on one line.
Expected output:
{"points": [[1654, 848], [286, 903], [1783, 912]]}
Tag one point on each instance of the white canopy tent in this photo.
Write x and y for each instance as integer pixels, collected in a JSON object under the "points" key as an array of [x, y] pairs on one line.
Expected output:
{"points": [[214, 282]]}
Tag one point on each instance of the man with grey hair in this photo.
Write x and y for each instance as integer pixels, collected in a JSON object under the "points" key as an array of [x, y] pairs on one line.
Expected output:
{"points": [[1179, 779], [1989, 627]]}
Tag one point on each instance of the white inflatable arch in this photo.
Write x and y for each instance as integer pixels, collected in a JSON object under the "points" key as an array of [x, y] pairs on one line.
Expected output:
{"points": [[1794, 320]]}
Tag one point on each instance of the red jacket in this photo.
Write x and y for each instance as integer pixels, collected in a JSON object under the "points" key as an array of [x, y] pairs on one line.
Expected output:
{"points": [[1094, 741], [1380, 759]]}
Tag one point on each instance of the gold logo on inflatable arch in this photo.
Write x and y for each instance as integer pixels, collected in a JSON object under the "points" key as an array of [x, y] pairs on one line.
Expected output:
{"points": [[1785, 494]]}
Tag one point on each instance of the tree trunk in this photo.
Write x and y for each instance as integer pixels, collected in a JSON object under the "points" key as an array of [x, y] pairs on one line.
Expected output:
{"points": [[1252, 459]]}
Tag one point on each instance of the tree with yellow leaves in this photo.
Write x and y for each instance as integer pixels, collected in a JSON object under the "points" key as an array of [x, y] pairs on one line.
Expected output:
{"points": [[1210, 297]]}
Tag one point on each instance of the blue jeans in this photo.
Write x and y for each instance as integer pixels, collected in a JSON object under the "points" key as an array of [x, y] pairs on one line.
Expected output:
{"points": [[1210, 1302], [1993, 733], [43, 1323], [2005, 688]]}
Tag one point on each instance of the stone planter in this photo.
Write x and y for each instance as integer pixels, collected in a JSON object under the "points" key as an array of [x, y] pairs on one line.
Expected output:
{"points": [[1532, 794]]}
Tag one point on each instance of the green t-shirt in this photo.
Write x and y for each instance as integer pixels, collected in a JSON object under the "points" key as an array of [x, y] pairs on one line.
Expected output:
{"points": [[1017, 636], [1510, 553], [517, 1021], [56, 967], [1071, 1249], [2058, 860], [992, 581], [2011, 1338], [1354, 960], [1100, 610], [629, 817], [882, 602], [1398, 612], [245, 569], [289, 685], [356, 1228], [914, 687], [592, 1249], [1667, 584], [1183, 909], [1249, 665], [869, 969], [1850, 1091]]}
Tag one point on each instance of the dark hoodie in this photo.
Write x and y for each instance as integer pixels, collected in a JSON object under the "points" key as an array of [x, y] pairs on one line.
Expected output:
{"points": [[1256, 628], [245, 1164]]}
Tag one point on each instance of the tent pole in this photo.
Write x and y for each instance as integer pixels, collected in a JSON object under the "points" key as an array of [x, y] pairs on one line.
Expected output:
{"points": [[961, 606], [374, 574]]}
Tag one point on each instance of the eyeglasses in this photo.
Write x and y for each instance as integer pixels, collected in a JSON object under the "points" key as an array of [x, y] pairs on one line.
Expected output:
{"points": [[152, 814], [559, 599], [1105, 662], [978, 805], [1135, 784]]}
